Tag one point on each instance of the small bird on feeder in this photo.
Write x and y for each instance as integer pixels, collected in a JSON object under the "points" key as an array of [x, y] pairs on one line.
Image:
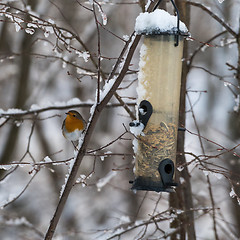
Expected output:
{"points": [[73, 125]]}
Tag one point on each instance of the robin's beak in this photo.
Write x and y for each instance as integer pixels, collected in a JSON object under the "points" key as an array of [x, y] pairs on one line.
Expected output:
{"points": [[67, 113]]}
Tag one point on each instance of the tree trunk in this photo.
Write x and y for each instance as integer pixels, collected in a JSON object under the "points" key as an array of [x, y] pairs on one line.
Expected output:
{"points": [[182, 199], [20, 98]]}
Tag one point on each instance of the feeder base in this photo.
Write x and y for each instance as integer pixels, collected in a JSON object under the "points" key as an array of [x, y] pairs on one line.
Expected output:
{"points": [[143, 183]]}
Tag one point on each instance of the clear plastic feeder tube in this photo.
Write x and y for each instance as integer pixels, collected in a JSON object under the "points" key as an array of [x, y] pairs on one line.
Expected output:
{"points": [[159, 83]]}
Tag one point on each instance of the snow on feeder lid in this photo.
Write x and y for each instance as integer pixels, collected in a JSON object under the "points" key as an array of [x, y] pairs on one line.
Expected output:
{"points": [[159, 22]]}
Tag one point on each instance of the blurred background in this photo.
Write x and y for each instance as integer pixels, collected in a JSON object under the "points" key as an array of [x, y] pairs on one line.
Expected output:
{"points": [[48, 56]]}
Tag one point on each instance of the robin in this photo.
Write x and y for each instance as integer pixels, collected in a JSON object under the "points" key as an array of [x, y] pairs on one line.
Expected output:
{"points": [[73, 125]]}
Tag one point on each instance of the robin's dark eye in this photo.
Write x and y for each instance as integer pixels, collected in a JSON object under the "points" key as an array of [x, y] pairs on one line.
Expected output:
{"points": [[74, 115]]}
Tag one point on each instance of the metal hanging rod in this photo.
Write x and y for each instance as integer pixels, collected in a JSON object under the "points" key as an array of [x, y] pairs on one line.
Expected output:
{"points": [[178, 20]]}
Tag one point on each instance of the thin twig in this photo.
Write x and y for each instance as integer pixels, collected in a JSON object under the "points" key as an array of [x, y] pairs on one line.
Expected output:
{"points": [[208, 178], [213, 15], [107, 145], [202, 46], [21, 193], [99, 53]]}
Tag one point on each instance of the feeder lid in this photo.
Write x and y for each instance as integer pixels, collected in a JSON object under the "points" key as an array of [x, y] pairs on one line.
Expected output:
{"points": [[159, 22]]}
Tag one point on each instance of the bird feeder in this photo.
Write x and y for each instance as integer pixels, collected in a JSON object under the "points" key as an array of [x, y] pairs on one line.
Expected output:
{"points": [[158, 98]]}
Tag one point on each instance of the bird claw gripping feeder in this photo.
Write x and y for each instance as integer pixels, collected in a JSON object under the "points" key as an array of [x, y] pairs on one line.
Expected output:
{"points": [[158, 97]]}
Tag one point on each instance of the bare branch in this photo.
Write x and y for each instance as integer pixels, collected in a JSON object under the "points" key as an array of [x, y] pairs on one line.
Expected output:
{"points": [[213, 15], [20, 113], [21, 193]]}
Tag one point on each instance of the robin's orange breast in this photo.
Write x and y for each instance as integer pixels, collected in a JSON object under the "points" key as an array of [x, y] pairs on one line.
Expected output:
{"points": [[72, 124]]}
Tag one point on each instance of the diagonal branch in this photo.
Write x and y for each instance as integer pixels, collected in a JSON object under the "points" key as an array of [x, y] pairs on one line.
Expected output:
{"points": [[96, 113], [131, 46]]}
